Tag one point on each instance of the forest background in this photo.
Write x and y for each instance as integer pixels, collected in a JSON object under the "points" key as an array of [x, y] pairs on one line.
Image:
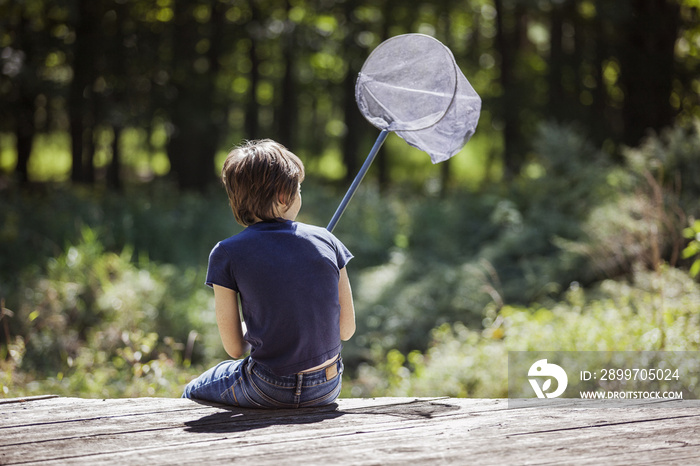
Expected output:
{"points": [[567, 223]]}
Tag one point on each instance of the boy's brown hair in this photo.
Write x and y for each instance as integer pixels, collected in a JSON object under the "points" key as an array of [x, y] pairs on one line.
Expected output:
{"points": [[258, 175]]}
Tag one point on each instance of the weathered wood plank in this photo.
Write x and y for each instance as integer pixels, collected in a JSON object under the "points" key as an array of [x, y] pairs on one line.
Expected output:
{"points": [[29, 398], [357, 431]]}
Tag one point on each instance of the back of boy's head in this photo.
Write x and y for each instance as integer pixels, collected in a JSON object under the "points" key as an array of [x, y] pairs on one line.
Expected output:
{"points": [[257, 176]]}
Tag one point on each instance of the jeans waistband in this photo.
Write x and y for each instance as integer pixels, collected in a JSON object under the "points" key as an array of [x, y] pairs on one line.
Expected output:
{"points": [[327, 372]]}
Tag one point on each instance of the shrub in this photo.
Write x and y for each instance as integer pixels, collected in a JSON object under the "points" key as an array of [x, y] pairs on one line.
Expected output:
{"points": [[657, 191], [99, 324], [653, 311], [467, 251], [672, 158]]}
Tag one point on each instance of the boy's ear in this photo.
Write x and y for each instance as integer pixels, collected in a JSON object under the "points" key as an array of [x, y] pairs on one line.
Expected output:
{"points": [[281, 206], [280, 199]]}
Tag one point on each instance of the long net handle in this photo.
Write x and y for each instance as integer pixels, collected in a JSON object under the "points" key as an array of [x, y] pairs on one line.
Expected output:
{"points": [[358, 179]]}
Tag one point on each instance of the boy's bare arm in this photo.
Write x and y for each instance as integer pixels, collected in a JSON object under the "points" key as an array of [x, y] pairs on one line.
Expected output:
{"points": [[347, 307], [229, 322]]}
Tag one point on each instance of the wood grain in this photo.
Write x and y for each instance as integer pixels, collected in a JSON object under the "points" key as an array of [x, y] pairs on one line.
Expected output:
{"points": [[53, 430]]}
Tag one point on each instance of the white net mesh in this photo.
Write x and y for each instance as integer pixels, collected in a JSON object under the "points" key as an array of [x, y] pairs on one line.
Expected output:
{"points": [[410, 84]]}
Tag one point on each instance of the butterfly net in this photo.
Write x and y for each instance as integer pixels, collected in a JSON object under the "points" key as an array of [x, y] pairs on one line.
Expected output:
{"points": [[411, 85]]}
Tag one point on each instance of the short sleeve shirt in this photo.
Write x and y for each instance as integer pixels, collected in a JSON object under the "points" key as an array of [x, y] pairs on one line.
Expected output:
{"points": [[286, 274]]}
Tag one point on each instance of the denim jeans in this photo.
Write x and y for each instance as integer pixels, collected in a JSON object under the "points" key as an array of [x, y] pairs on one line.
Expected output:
{"points": [[248, 384]]}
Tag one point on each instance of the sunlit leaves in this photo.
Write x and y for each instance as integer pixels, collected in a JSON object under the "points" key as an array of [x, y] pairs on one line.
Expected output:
{"points": [[202, 13], [326, 24], [328, 66], [692, 250]]}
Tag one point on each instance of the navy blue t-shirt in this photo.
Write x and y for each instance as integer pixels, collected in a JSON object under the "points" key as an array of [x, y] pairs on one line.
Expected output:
{"points": [[287, 276]]}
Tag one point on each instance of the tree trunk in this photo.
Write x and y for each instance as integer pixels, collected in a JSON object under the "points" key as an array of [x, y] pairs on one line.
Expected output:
{"points": [[600, 111], [507, 38], [116, 108], [24, 114], [80, 95], [647, 66], [382, 162], [193, 113], [445, 21], [354, 123], [24, 133], [556, 60], [113, 176], [286, 113], [252, 120]]}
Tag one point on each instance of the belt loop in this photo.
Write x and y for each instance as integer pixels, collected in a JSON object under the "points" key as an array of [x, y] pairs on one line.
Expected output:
{"points": [[249, 366], [300, 377]]}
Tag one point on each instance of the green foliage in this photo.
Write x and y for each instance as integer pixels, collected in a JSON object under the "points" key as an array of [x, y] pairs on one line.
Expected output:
{"points": [[468, 250], [187, 81], [580, 219], [100, 324], [368, 227], [155, 221], [571, 174], [692, 250], [672, 160], [654, 311], [107, 295], [656, 191]]}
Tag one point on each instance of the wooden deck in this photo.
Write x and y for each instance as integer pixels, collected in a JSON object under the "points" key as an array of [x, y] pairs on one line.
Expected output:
{"points": [[154, 431]]}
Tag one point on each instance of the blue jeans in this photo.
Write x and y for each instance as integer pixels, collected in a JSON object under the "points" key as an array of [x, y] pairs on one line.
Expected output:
{"points": [[248, 384]]}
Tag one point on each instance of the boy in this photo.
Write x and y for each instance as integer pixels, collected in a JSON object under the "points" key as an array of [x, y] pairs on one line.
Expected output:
{"points": [[294, 291]]}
